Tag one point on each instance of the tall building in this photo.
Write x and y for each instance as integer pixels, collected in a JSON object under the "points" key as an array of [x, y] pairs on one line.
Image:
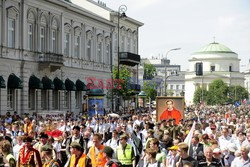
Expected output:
{"points": [[49, 49], [211, 62], [164, 70], [247, 78]]}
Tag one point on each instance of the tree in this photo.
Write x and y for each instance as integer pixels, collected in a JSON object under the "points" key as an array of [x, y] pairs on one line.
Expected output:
{"points": [[236, 93], [199, 96], [150, 88], [217, 93], [149, 71]]}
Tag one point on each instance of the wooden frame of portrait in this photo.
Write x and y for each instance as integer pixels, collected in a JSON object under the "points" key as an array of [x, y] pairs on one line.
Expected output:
{"points": [[161, 105]]}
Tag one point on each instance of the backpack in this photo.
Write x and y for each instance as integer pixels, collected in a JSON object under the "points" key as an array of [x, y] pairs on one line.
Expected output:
{"points": [[118, 163]]}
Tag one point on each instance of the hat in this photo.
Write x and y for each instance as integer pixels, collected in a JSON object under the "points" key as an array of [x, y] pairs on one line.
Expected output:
{"points": [[27, 139], [231, 147], [43, 135], [216, 151], [76, 145], [173, 148], [46, 147], [76, 127], [108, 150]]}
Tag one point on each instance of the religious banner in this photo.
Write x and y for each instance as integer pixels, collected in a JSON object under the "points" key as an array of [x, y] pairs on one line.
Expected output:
{"points": [[95, 105]]}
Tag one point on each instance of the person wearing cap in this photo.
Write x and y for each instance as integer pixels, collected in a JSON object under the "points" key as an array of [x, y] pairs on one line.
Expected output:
{"points": [[48, 156], [28, 156], [209, 160], [183, 156], [125, 152], [95, 152], [43, 140], [76, 137], [5, 149], [108, 153], [171, 112], [78, 158], [171, 155]]}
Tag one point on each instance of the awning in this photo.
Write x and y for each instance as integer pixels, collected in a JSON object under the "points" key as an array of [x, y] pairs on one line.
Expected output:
{"points": [[47, 83], [80, 86], [2, 82], [14, 82], [70, 85], [59, 85], [35, 83], [94, 92]]}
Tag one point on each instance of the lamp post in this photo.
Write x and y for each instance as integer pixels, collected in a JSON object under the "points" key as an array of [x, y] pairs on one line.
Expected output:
{"points": [[120, 14], [165, 85]]}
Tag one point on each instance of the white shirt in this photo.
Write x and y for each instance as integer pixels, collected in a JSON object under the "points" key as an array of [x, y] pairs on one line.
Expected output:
{"points": [[113, 143], [16, 150], [224, 142], [239, 162]]}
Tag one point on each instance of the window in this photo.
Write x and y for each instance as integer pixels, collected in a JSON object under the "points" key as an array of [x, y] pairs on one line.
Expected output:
{"points": [[44, 100], [32, 99], [134, 46], [78, 99], [89, 50], [212, 68], [183, 87], [107, 54], [55, 99], [42, 39], [122, 44], [30, 36], [99, 52], [129, 45], [230, 69], [77, 46], [54, 41], [10, 98], [66, 99], [177, 87], [66, 42], [11, 33], [171, 87]]}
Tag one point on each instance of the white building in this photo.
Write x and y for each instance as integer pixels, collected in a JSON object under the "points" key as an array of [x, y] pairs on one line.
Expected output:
{"points": [[213, 61], [49, 49], [247, 78]]}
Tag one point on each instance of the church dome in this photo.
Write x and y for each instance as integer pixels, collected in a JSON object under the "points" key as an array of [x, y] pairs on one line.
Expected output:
{"points": [[214, 48]]}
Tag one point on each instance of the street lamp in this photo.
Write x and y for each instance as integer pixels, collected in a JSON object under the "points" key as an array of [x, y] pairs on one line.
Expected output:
{"points": [[165, 85], [120, 14]]}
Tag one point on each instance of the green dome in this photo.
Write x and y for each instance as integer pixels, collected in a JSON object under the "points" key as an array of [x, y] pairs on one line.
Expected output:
{"points": [[214, 48], [142, 94]]}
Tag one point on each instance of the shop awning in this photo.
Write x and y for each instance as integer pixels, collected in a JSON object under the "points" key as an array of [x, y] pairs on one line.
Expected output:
{"points": [[70, 85], [35, 83], [2, 82], [94, 92], [47, 83], [14, 82], [80, 86], [59, 85]]}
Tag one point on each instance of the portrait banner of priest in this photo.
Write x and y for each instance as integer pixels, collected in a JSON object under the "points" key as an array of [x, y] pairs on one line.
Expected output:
{"points": [[169, 108]]}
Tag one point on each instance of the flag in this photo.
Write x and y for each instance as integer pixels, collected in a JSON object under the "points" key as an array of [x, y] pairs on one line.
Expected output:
{"points": [[188, 139]]}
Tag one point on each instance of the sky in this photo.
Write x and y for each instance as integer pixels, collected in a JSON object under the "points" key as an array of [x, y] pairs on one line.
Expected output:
{"points": [[189, 25]]}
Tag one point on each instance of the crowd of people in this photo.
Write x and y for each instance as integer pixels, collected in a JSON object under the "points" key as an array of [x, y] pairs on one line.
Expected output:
{"points": [[216, 136]]}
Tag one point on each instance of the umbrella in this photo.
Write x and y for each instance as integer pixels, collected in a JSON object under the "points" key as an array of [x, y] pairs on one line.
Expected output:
{"points": [[114, 115]]}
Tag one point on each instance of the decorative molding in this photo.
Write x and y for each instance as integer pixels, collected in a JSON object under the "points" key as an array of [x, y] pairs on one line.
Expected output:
{"points": [[31, 16], [67, 28], [43, 19], [107, 40], [78, 31], [89, 35], [12, 12], [99, 38]]}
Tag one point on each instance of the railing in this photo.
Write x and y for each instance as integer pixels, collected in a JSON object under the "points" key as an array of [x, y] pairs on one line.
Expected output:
{"points": [[51, 58]]}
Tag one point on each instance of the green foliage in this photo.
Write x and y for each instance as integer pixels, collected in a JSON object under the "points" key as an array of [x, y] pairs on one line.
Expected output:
{"points": [[198, 95], [150, 88], [220, 93], [149, 71]]}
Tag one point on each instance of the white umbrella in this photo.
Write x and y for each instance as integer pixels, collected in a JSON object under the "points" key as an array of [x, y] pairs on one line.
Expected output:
{"points": [[114, 115]]}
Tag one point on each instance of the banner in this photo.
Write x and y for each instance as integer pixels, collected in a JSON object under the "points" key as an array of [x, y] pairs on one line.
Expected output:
{"points": [[95, 105]]}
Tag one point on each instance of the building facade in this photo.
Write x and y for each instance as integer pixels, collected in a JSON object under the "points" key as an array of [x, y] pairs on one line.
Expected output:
{"points": [[211, 62], [50, 48]]}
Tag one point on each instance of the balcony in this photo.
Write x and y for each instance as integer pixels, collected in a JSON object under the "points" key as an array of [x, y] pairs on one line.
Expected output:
{"points": [[129, 59], [52, 61]]}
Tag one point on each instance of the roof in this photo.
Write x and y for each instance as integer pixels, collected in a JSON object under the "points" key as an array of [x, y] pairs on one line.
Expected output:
{"points": [[214, 48]]}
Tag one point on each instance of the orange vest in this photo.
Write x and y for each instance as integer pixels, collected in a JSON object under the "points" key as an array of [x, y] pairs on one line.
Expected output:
{"points": [[97, 160], [27, 128], [81, 161]]}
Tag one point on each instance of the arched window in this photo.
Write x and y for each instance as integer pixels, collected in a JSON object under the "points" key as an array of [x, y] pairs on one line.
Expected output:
{"points": [[107, 50], [77, 42], [42, 33], [30, 30], [67, 30], [12, 16], [54, 37], [89, 40], [99, 48]]}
